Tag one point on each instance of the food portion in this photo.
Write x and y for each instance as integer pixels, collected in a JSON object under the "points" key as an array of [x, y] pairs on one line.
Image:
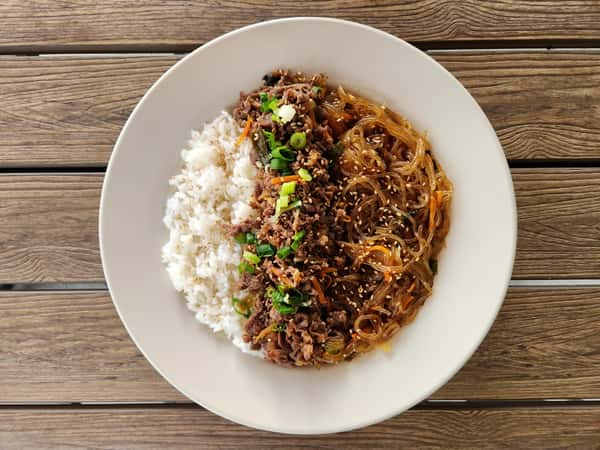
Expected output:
{"points": [[337, 246], [212, 192]]}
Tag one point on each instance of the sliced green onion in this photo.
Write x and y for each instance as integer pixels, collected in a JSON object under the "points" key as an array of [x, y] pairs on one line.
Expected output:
{"points": [[264, 250], [298, 140], [284, 252], [294, 204], [288, 188], [250, 238], [275, 118], [296, 297], [282, 152], [268, 103], [299, 235], [297, 239], [316, 89], [304, 174], [240, 238], [285, 309], [251, 257], [241, 307], [283, 201], [246, 268], [278, 164], [270, 137]]}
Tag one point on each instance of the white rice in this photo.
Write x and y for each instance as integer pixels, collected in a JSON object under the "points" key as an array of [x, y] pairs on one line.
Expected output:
{"points": [[212, 190]]}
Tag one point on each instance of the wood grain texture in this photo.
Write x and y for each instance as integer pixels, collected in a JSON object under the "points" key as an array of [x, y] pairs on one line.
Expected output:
{"points": [[541, 104], [559, 213], [73, 348], [48, 226], [68, 111], [48, 25], [192, 427], [70, 347]]}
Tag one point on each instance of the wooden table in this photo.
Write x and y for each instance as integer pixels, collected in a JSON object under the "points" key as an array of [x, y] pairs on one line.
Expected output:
{"points": [[70, 73]]}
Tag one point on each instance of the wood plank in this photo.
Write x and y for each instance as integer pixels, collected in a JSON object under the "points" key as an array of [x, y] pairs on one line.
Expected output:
{"points": [[192, 427], [49, 228], [87, 25], [73, 348], [68, 111], [540, 103], [559, 211], [48, 225]]}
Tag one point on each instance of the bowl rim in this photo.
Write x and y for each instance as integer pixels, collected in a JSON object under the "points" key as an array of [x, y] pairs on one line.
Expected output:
{"points": [[322, 429]]}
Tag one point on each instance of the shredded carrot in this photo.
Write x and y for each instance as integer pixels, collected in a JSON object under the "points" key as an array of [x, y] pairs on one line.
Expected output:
{"points": [[432, 209], [279, 180], [327, 270], [406, 301], [265, 331], [245, 133], [317, 286], [281, 276], [412, 287], [387, 277]]}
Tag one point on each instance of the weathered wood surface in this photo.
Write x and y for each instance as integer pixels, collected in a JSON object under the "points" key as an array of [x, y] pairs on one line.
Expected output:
{"points": [[68, 111], [71, 347], [70, 25], [192, 427]]}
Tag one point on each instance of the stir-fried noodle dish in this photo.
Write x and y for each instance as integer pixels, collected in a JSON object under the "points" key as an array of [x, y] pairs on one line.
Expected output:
{"points": [[346, 214]]}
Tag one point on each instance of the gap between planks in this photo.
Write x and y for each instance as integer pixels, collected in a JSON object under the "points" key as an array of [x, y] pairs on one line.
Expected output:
{"points": [[425, 405], [182, 49]]}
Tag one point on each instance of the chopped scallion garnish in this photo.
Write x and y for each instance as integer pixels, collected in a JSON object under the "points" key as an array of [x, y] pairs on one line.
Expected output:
{"points": [[250, 238], [283, 201], [299, 235], [240, 238], [284, 252], [251, 257], [264, 250], [282, 152], [297, 239], [246, 268], [270, 137], [278, 164], [241, 307], [304, 174], [288, 188], [287, 301], [268, 103], [298, 140], [294, 204]]}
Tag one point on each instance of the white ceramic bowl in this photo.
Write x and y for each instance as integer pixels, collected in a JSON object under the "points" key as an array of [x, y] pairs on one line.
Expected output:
{"points": [[474, 270]]}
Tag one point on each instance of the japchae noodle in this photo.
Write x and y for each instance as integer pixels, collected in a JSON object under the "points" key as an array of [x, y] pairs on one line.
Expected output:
{"points": [[397, 198]]}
